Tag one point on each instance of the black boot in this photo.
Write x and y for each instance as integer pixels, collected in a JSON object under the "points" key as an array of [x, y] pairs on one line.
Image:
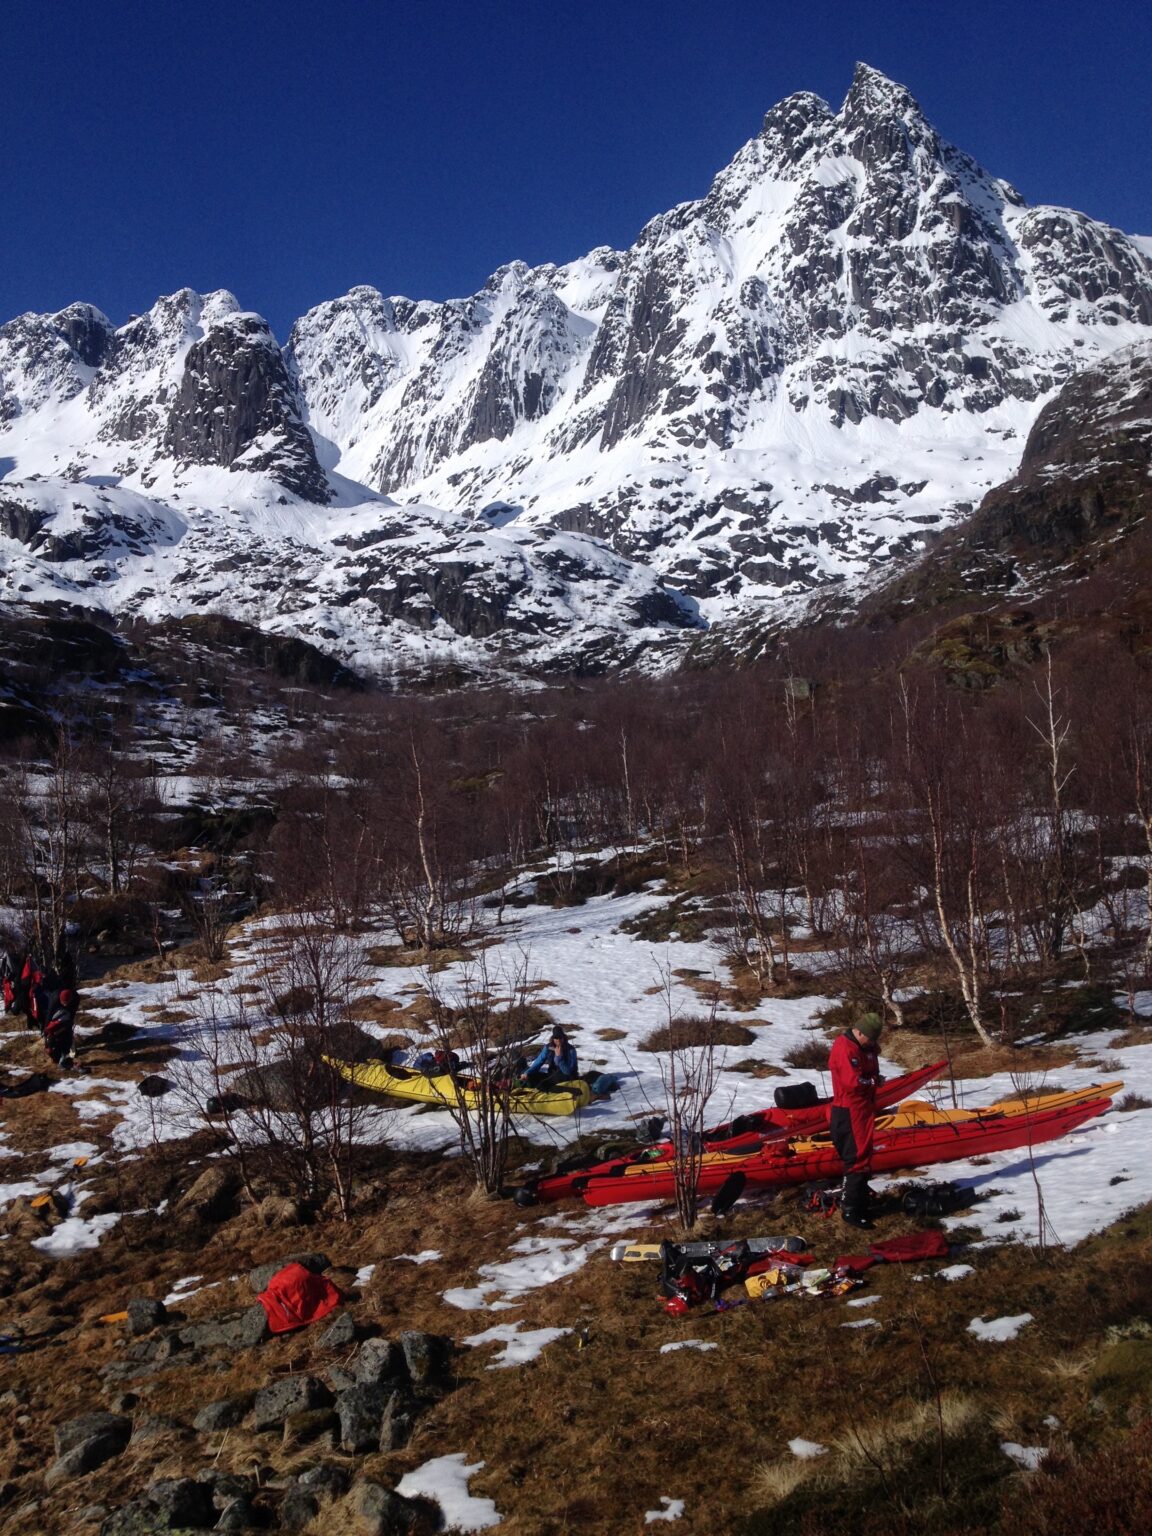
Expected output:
{"points": [[857, 1218]]}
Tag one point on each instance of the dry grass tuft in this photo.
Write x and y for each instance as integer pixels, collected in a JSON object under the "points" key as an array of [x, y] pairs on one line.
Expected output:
{"points": [[775, 1481], [809, 1056], [885, 1441], [611, 1034], [1071, 1366]]}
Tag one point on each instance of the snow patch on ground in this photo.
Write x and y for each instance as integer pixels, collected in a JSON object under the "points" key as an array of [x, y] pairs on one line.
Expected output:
{"points": [[541, 1261], [807, 1449], [1027, 1456], [75, 1234], [955, 1272], [999, 1330], [673, 1510], [668, 1349], [519, 1347], [445, 1479]]}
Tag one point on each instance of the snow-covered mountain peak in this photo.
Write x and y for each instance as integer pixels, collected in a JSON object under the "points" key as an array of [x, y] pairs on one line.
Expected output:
{"points": [[779, 386]]}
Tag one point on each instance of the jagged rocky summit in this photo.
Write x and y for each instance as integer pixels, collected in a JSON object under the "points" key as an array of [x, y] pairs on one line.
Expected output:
{"points": [[781, 388]]}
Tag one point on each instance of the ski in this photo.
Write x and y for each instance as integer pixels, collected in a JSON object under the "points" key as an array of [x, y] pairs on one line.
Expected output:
{"points": [[635, 1253]]}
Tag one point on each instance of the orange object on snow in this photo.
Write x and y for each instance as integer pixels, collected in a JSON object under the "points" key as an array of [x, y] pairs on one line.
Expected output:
{"points": [[296, 1297]]}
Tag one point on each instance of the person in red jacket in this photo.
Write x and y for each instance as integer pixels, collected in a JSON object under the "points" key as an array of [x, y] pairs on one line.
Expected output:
{"points": [[855, 1068]]}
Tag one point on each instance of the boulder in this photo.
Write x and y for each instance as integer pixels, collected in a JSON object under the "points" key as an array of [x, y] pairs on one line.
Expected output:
{"points": [[280, 1087], [172, 1504], [310, 1425], [227, 1486], [224, 1414], [395, 1422], [158, 1348], [340, 1334], [378, 1362], [24, 1220], [377, 1511], [105, 1436], [154, 1087], [239, 1515], [361, 1410], [259, 1277], [74, 1432], [294, 1394], [232, 1330], [425, 1356], [145, 1314], [156, 1426], [297, 1509], [326, 1480], [278, 1211], [212, 1197]]}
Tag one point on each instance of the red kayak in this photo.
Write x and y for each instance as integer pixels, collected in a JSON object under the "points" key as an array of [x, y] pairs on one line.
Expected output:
{"points": [[799, 1160], [742, 1136]]}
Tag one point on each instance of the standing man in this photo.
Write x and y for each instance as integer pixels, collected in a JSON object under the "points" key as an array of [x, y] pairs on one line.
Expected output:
{"points": [[59, 1031], [855, 1068]]}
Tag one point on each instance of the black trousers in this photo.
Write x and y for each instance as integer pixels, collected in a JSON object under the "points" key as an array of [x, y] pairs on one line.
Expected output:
{"points": [[856, 1191]]}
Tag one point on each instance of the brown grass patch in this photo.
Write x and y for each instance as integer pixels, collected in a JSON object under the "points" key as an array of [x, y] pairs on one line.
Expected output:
{"points": [[386, 955], [1138, 1035], [753, 1066], [162, 1014], [693, 1030], [611, 1034], [910, 1049], [372, 1010]]}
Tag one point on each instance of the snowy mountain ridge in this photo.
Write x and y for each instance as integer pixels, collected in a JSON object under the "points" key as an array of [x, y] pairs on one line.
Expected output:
{"points": [[779, 388]]}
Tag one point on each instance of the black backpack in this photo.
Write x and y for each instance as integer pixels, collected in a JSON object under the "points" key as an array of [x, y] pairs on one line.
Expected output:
{"points": [[797, 1096]]}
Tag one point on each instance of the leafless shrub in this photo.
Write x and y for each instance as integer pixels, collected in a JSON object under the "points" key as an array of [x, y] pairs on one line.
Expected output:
{"points": [[487, 1032], [266, 1065]]}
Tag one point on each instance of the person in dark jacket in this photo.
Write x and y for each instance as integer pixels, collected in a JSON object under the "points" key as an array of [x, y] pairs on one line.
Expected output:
{"points": [[60, 1030], [855, 1068], [555, 1063], [64, 966], [34, 982]]}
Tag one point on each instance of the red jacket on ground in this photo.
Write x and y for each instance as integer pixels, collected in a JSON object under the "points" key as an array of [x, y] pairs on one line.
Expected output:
{"points": [[855, 1070]]}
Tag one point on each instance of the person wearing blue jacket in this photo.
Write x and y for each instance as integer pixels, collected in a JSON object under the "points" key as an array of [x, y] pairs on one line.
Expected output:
{"points": [[556, 1062]]}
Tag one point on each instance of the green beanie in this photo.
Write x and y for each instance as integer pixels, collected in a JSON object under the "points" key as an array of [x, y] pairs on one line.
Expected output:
{"points": [[870, 1024]]}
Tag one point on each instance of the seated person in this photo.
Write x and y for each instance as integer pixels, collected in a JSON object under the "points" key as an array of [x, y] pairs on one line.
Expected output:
{"points": [[556, 1063]]}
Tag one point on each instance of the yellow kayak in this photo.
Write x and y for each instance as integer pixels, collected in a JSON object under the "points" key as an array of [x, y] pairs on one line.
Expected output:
{"points": [[443, 1090]]}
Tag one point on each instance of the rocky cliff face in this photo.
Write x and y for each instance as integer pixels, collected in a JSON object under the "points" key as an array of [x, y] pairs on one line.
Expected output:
{"points": [[194, 381], [779, 390], [1080, 500]]}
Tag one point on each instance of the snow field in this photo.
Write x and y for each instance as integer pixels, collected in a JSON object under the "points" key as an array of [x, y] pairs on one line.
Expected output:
{"points": [[600, 978]]}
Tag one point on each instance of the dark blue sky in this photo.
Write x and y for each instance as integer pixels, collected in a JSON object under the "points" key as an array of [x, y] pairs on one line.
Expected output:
{"points": [[290, 150]]}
